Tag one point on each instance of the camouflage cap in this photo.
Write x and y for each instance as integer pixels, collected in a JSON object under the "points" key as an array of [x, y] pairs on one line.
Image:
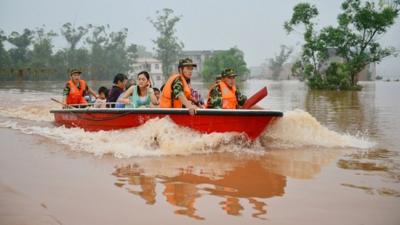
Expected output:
{"points": [[186, 62], [228, 72], [74, 71]]}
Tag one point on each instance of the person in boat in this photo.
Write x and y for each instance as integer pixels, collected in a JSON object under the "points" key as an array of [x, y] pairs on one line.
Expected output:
{"points": [[176, 92], [224, 94], [140, 95], [76, 89], [157, 93], [119, 84], [196, 98], [101, 101]]}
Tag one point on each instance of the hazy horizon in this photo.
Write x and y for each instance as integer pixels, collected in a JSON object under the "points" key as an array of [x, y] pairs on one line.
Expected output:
{"points": [[255, 27]]}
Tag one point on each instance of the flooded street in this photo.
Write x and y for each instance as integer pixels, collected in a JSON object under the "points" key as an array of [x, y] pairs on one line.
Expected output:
{"points": [[334, 158]]}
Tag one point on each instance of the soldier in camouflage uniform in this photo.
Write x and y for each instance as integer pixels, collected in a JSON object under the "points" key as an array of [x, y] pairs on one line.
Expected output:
{"points": [[224, 94], [176, 92]]}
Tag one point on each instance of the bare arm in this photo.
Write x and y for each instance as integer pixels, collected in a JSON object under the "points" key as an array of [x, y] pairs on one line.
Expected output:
{"points": [[192, 108], [125, 98], [154, 100]]}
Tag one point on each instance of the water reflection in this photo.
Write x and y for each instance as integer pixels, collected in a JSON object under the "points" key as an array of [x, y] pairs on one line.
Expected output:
{"points": [[237, 181], [380, 163], [343, 111]]}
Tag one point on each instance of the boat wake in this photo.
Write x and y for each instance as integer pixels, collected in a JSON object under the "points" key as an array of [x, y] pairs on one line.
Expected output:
{"points": [[298, 128], [163, 137]]}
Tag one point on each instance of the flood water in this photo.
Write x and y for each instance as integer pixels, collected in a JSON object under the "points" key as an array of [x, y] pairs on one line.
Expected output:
{"points": [[334, 158]]}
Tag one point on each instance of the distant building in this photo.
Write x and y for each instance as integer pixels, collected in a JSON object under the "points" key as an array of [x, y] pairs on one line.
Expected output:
{"points": [[198, 57], [151, 65]]}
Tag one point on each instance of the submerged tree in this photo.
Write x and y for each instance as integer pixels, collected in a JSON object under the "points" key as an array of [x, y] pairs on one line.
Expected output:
{"points": [[276, 64], [355, 40], [232, 58], [168, 47]]}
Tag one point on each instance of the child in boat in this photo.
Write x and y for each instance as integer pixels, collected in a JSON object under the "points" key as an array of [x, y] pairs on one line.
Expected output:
{"points": [[140, 95], [101, 101]]}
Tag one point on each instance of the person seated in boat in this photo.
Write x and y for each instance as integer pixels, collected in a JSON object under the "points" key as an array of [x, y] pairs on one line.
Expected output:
{"points": [[176, 92], [224, 94], [196, 98], [101, 101], [76, 89], [140, 95], [157, 93], [119, 83]]}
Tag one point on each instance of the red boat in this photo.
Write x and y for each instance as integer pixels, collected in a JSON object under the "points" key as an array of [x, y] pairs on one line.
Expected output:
{"points": [[249, 122]]}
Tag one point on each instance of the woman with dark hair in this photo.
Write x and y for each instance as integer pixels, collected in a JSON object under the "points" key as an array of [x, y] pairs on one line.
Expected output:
{"points": [[118, 87], [140, 95]]}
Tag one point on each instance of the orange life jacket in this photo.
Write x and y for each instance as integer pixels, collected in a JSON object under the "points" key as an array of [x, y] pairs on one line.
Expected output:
{"points": [[75, 95], [229, 100], [166, 100]]}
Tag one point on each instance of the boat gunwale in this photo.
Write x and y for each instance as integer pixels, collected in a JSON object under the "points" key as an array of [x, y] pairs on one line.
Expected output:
{"points": [[172, 111]]}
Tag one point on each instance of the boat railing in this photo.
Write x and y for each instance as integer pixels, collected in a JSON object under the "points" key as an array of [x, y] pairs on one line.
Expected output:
{"points": [[93, 105]]}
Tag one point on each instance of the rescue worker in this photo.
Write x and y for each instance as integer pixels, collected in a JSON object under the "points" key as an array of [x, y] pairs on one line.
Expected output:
{"points": [[76, 89], [224, 94], [176, 92]]}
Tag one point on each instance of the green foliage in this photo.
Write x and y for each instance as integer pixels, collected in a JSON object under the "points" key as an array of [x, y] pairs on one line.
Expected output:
{"points": [[5, 59], [73, 35], [354, 40], [20, 54], [276, 64], [143, 53], [42, 51], [102, 56], [232, 58], [168, 47]]}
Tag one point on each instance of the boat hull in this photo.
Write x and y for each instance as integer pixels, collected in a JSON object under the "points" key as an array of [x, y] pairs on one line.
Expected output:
{"points": [[249, 122]]}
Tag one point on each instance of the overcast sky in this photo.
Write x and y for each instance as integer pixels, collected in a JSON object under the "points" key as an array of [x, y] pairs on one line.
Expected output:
{"points": [[254, 26]]}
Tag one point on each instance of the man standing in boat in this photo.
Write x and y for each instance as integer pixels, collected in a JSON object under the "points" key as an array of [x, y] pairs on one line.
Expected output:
{"points": [[224, 94], [176, 92], [76, 89]]}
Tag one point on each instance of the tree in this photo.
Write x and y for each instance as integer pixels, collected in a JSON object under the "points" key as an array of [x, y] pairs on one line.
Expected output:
{"points": [[360, 26], [107, 53], [73, 35], [143, 53], [20, 55], [276, 64], [232, 58], [354, 40], [42, 52], [120, 57], [168, 48], [5, 60], [98, 54], [314, 52]]}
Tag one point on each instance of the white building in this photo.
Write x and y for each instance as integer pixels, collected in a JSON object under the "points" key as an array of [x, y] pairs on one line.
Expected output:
{"points": [[198, 57], [151, 65]]}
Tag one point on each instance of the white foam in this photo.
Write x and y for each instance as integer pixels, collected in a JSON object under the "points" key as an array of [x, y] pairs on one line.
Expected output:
{"points": [[157, 137], [163, 137], [298, 128]]}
